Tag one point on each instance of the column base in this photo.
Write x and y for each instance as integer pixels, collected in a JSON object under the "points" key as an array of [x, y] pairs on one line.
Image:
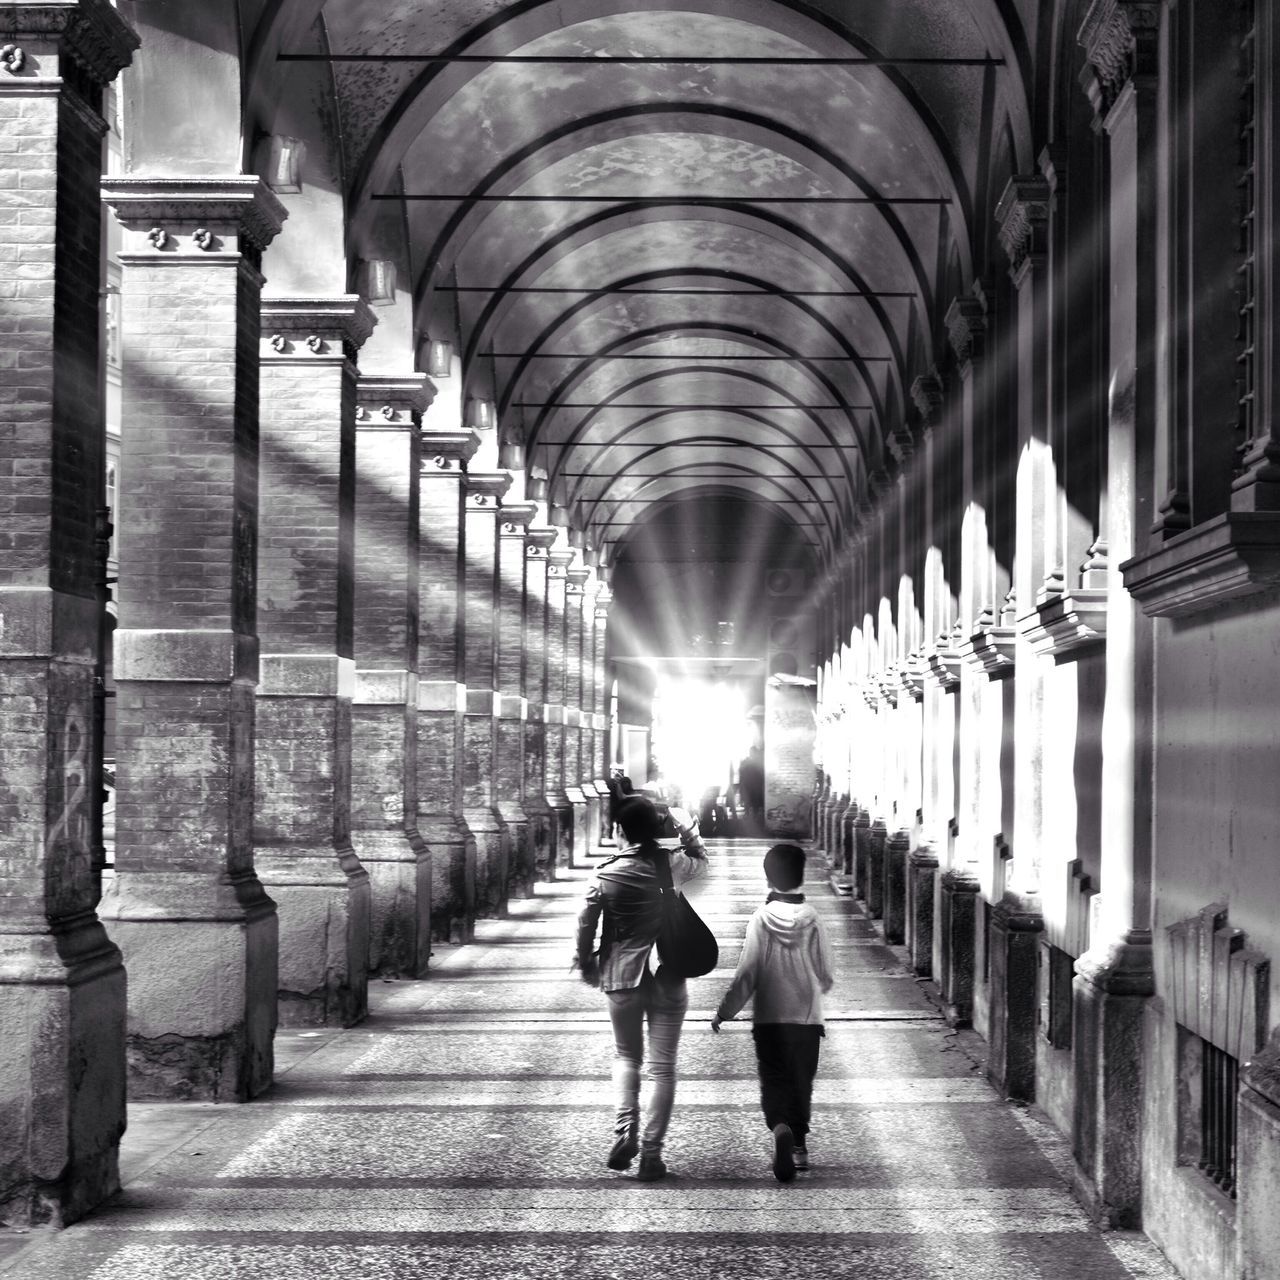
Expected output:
{"points": [[399, 867], [542, 838], [453, 876], [922, 872], [63, 1007], [878, 837], [521, 870], [1258, 1146], [895, 887], [493, 859], [201, 956], [845, 860], [1109, 994], [322, 897], [954, 939], [861, 854], [562, 829], [582, 842], [1015, 964]]}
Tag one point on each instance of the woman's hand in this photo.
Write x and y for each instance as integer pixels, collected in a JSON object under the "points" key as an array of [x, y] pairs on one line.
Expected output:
{"points": [[715, 1023], [590, 971]]}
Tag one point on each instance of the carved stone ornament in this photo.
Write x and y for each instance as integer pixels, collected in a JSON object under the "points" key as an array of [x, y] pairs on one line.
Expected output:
{"points": [[481, 500], [158, 237], [926, 392], [966, 322], [1109, 36], [279, 343], [315, 344], [509, 528], [535, 552], [441, 463], [388, 412], [89, 33], [1023, 217], [204, 238], [361, 413], [12, 59], [239, 205]]}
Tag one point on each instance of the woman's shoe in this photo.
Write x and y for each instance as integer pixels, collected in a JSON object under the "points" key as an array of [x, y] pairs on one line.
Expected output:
{"points": [[784, 1147], [624, 1150], [651, 1168]]}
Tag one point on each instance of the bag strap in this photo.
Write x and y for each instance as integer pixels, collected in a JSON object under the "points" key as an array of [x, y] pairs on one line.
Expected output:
{"points": [[663, 867]]}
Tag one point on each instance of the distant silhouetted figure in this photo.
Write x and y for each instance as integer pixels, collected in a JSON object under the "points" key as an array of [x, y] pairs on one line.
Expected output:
{"points": [[751, 789]]}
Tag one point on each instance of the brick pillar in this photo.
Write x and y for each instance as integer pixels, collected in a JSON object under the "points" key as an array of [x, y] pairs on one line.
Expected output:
{"points": [[554, 712], [542, 817], [62, 995], [587, 743], [480, 655], [302, 790], [600, 761], [575, 614], [198, 932], [384, 711], [513, 704], [441, 693]]}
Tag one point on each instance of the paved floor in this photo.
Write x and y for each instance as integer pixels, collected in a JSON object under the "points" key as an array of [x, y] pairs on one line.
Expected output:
{"points": [[461, 1133]]}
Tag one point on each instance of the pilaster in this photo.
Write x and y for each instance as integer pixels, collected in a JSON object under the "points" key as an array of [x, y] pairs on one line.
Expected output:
{"points": [[484, 492], [513, 803], [384, 705], [559, 559], [542, 813], [576, 616], [600, 763], [186, 650], [62, 998], [442, 694]]}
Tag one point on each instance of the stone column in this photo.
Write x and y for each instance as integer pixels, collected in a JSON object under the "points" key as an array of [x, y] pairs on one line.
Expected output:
{"points": [[302, 738], [575, 617], [600, 715], [513, 704], [441, 693], [62, 985], [559, 558], [1115, 977], [479, 664], [384, 706], [1017, 922], [542, 817], [198, 932], [956, 904]]}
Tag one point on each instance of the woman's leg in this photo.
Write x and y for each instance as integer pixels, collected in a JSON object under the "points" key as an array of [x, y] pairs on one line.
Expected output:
{"points": [[626, 1013], [666, 1006]]}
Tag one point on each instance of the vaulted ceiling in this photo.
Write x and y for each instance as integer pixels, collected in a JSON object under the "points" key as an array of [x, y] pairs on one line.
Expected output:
{"points": [[687, 246]]}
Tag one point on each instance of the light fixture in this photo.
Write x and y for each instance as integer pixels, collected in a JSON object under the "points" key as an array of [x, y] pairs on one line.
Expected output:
{"points": [[379, 282], [511, 453], [279, 161], [536, 484], [481, 414], [439, 357]]}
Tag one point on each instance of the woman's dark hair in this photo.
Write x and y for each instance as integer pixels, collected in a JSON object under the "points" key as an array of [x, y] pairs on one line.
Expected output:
{"points": [[639, 819]]}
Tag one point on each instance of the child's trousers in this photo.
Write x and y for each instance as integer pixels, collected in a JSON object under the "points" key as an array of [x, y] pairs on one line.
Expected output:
{"points": [[787, 1059]]}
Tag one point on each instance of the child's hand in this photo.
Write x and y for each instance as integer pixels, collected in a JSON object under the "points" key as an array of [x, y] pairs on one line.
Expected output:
{"points": [[715, 1023]]}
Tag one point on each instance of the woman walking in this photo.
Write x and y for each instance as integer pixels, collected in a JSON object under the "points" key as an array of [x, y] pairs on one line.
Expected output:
{"points": [[625, 900]]}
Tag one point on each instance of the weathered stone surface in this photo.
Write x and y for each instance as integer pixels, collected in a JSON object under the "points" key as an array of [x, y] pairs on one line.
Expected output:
{"points": [[955, 938], [1014, 942]]}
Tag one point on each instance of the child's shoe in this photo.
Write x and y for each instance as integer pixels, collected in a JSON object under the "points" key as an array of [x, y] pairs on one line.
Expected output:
{"points": [[784, 1147], [801, 1159], [651, 1167]]}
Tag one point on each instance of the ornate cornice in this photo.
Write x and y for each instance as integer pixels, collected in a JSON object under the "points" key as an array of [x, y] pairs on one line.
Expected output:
{"points": [[315, 327], [538, 542], [384, 399], [517, 517], [1023, 217], [89, 32], [445, 450], [1118, 38], [156, 210], [989, 649], [966, 322], [486, 488], [927, 395]]}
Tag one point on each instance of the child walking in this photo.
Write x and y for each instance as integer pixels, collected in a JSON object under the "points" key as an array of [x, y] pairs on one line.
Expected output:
{"points": [[786, 967]]}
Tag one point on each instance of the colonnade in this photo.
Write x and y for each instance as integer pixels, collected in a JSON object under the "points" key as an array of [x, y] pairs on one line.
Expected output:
{"points": [[358, 663]]}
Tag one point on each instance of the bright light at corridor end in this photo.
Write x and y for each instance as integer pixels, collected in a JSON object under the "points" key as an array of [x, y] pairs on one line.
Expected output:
{"points": [[700, 732]]}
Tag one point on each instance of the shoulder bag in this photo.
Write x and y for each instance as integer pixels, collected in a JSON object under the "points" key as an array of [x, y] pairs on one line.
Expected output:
{"points": [[686, 947]]}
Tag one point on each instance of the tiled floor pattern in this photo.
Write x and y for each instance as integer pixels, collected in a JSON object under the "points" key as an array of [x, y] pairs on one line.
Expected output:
{"points": [[461, 1132]]}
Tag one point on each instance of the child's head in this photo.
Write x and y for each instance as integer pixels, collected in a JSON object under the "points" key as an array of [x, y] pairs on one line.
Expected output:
{"points": [[784, 867]]}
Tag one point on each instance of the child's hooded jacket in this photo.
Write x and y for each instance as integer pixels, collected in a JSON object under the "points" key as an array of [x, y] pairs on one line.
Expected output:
{"points": [[785, 964]]}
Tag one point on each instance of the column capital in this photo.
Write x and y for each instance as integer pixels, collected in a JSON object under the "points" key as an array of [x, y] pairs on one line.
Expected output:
{"points": [[485, 489], [88, 32], [178, 219], [1119, 42], [516, 518], [315, 329], [388, 401], [561, 558], [966, 322], [1022, 213], [577, 578], [604, 598], [538, 543], [927, 395], [444, 451]]}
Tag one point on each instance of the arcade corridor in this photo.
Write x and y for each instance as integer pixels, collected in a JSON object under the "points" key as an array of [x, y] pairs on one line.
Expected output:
{"points": [[461, 1132], [857, 421]]}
